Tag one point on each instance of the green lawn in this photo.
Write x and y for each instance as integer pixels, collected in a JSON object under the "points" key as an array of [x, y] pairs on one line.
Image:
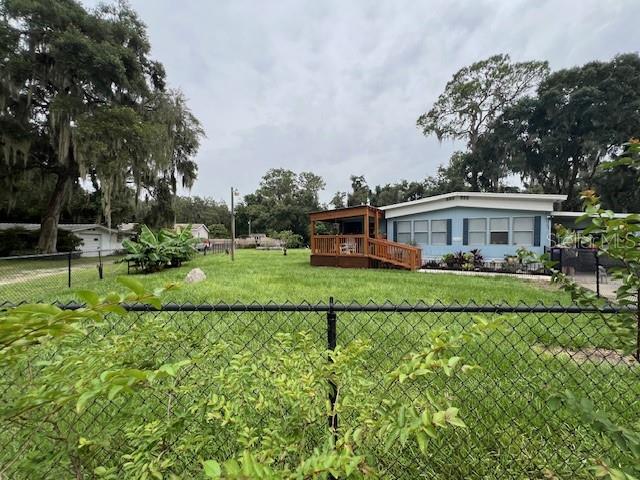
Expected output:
{"points": [[510, 434], [270, 276]]}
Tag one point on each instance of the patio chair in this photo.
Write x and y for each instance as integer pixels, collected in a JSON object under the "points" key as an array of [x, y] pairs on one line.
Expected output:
{"points": [[602, 273], [348, 248]]}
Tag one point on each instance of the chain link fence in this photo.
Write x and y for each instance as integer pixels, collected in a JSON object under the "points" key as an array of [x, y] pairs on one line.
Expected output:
{"points": [[36, 277], [588, 268], [511, 432], [43, 276]]}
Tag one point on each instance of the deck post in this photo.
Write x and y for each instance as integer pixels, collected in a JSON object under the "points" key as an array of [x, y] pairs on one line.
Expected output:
{"points": [[365, 243]]}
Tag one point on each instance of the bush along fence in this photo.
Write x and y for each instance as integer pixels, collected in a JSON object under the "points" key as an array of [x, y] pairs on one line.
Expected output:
{"points": [[305, 390]]}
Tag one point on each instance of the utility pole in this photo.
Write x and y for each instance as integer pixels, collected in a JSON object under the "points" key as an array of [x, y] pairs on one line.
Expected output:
{"points": [[233, 227], [249, 222]]}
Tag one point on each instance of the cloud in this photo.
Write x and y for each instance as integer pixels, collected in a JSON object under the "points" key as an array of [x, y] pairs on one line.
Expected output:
{"points": [[335, 87]]}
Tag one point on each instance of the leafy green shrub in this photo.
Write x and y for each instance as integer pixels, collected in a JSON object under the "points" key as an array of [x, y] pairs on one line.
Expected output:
{"points": [[468, 261], [218, 230], [618, 238], [289, 239], [136, 416], [625, 440], [450, 260], [463, 260], [19, 241], [153, 252], [525, 256]]}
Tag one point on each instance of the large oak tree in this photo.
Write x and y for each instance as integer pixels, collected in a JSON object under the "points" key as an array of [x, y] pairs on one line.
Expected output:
{"points": [[556, 139], [474, 98], [80, 97]]}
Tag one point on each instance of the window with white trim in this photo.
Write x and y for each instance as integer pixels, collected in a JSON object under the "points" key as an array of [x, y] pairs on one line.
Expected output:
{"points": [[421, 231], [438, 232], [477, 231], [523, 230], [499, 231], [403, 235]]}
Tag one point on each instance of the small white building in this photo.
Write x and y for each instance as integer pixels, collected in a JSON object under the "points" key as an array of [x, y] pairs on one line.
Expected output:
{"points": [[95, 237], [198, 230]]}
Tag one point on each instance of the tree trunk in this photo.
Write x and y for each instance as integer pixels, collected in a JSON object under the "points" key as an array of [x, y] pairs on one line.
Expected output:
{"points": [[475, 171], [49, 226], [474, 180]]}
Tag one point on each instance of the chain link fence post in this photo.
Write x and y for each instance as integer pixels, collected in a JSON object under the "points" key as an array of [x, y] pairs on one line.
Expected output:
{"points": [[638, 325], [597, 273], [100, 266], [332, 340], [69, 269]]}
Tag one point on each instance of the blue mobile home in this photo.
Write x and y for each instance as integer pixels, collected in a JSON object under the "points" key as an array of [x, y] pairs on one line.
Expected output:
{"points": [[495, 223]]}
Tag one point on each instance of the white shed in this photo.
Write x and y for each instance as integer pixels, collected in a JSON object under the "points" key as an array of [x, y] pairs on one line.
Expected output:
{"points": [[198, 230], [95, 237]]}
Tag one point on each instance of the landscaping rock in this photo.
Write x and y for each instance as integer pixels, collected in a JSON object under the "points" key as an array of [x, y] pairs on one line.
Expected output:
{"points": [[194, 276]]}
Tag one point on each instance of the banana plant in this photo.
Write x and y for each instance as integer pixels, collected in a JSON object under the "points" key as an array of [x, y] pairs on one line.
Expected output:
{"points": [[153, 252]]}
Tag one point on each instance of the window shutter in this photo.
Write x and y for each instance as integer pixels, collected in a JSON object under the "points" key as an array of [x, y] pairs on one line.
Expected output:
{"points": [[465, 231], [537, 221], [395, 231], [449, 231]]}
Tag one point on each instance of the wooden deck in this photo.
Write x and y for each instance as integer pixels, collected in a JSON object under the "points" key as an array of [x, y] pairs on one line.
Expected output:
{"points": [[351, 238], [358, 251]]}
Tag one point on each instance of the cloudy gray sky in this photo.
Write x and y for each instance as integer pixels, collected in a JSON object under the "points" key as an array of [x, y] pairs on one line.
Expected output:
{"points": [[335, 87]]}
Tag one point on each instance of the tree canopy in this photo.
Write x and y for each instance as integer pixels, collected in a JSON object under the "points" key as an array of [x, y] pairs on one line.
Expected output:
{"points": [[553, 136], [282, 202], [80, 97], [556, 139], [475, 96]]}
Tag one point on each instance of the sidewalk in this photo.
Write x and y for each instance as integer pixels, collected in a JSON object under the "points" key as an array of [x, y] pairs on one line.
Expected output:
{"points": [[607, 288]]}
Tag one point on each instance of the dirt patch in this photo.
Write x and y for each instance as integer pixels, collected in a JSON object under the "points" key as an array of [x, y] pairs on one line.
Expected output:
{"points": [[590, 354]]}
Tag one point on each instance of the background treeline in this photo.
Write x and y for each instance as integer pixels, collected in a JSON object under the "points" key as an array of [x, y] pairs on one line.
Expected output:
{"points": [[90, 132]]}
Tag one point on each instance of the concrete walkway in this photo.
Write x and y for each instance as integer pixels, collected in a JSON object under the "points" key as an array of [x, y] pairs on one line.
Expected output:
{"points": [[607, 286], [524, 276]]}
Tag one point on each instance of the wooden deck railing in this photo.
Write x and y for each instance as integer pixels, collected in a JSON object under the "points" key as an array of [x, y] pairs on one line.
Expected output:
{"points": [[398, 254], [338, 245]]}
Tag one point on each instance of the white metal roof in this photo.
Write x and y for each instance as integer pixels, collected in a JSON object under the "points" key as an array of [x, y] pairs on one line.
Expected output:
{"points": [[511, 201], [579, 214], [71, 227]]}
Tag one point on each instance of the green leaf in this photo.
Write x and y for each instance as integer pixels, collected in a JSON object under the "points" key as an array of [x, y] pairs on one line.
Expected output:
{"points": [[421, 437], [117, 309], [132, 284], [114, 390], [155, 302], [84, 399], [89, 297], [100, 471], [212, 469], [439, 419], [37, 308]]}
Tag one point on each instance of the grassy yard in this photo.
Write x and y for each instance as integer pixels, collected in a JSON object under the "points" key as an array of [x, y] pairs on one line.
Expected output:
{"points": [[510, 434], [269, 276]]}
